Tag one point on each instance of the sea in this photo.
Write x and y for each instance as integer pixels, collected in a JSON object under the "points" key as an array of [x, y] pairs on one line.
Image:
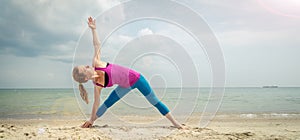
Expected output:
{"points": [[67, 103]]}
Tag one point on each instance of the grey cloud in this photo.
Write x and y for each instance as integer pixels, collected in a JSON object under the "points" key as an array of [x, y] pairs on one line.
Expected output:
{"points": [[242, 15], [23, 34], [36, 28]]}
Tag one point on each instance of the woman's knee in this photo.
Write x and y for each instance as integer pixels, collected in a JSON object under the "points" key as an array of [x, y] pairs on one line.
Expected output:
{"points": [[151, 97]]}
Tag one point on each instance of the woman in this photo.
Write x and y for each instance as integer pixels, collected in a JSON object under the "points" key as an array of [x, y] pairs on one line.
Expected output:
{"points": [[105, 75]]}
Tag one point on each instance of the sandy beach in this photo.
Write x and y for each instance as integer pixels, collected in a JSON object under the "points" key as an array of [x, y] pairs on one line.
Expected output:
{"points": [[220, 128]]}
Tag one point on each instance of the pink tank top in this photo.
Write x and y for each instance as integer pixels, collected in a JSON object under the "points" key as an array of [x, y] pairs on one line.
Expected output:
{"points": [[119, 75]]}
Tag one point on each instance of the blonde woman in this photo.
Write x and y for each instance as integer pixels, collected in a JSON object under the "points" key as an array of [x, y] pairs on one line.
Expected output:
{"points": [[105, 75]]}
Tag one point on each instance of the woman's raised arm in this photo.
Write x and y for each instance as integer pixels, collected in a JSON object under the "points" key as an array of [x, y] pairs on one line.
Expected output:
{"points": [[96, 42]]}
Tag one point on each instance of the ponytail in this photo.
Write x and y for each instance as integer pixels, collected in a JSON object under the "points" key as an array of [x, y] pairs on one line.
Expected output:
{"points": [[83, 93], [81, 78]]}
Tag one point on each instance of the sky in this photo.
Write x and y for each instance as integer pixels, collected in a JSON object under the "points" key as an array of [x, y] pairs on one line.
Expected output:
{"points": [[41, 41]]}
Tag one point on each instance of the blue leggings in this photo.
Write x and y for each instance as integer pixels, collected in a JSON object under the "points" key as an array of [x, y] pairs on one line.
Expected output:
{"points": [[143, 86]]}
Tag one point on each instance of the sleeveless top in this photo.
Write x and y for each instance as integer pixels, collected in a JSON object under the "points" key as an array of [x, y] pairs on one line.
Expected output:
{"points": [[116, 74]]}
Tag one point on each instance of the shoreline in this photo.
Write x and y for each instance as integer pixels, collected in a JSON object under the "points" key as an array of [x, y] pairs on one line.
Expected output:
{"points": [[79, 116]]}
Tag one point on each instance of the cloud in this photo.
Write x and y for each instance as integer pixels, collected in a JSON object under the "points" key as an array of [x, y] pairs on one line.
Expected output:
{"points": [[43, 28], [145, 31], [242, 15], [34, 72], [249, 38], [44, 33], [248, 23]]}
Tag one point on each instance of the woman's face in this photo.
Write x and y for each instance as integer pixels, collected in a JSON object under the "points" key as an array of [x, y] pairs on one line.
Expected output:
{"points": [[88, 71]]}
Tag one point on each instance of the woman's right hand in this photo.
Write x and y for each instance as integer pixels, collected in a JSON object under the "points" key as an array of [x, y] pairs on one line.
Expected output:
{"points": [[92, 23], [87, 124]]}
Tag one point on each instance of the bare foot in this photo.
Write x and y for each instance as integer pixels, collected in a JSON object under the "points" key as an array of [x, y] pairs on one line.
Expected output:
{"points": [[174, 122], [181, 126]]}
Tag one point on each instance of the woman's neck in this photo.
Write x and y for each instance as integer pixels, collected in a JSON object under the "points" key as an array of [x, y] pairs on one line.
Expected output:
{"points": [[95, 74]]}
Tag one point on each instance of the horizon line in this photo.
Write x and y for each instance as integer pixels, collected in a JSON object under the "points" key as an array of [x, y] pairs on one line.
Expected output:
{"points": [[153, 87]]}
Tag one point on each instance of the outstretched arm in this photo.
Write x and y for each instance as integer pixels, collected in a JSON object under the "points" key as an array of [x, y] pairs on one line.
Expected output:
{"points": [[97, 91], [96, 42]]}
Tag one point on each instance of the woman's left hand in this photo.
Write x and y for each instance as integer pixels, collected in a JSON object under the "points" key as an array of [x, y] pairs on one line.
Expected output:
{"points": [[87, 124], [92, 23]]}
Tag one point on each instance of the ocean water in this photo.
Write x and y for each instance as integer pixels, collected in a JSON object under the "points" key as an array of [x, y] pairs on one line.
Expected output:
{"points": [[64, 103], [37, 103]]}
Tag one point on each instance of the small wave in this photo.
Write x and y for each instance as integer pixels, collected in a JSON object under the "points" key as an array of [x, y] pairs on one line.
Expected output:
{"points": [[269, 115], [248, 115], [280, 115]]}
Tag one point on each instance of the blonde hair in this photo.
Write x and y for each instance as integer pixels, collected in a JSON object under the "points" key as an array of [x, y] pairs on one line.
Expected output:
{"points": [[80, 77]]}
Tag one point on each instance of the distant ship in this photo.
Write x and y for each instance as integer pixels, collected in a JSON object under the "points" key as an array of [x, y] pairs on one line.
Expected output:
{"points": [[270, 86]]}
